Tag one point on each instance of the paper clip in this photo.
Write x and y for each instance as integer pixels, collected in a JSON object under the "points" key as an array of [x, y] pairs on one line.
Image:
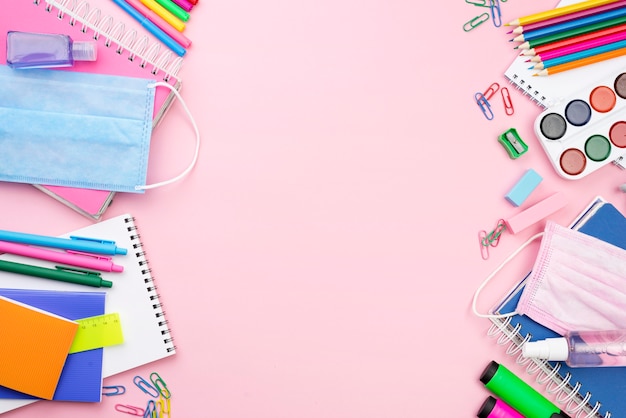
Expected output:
{"points": [[151, 411], [484, 105], [164, 406], [493, 88], [508, 104], [493, 238], [145, 386], [475, 22], [160, 385], [130, 410], [481, 3], [484, 249], [113, 390], [496, 15]]}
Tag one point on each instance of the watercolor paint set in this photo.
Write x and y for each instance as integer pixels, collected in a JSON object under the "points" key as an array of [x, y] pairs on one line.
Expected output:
{"points": [[587, 130]]}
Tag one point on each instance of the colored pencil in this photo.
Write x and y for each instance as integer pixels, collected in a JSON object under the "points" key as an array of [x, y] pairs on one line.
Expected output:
{"points": [[574, 40], [569, 33], [159, 22], [569, 25], [580, 55], [559, 11], [581, 62], [578, 47], [560, 19]]}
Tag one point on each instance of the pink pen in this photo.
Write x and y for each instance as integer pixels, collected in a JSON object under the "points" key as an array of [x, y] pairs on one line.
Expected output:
{"points": [[184, 4], [160, 22], [89, 261]]}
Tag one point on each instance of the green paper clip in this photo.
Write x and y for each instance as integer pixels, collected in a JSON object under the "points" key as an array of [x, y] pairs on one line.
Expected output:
{"points": [[513, 143]]}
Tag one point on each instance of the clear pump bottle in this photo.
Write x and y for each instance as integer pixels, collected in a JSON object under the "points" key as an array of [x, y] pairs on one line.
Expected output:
{"points": [[582, 348], [45, 50]]}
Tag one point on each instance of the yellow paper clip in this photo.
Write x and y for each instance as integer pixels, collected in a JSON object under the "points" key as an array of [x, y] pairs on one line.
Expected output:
{"points": [[508, 104], [113, 390], [130, 410], [484, 105], [475, 22], [493, 88], [164, 407], [496, 15], [146, 387], [160, 385]]}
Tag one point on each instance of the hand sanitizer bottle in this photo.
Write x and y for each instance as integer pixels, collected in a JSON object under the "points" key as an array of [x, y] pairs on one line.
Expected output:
{"points": [[581, 348], [44, 50]]}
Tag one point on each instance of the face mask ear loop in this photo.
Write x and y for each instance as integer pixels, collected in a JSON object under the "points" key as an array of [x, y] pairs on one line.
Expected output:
{"points": [[197, 149], [491, 276]]}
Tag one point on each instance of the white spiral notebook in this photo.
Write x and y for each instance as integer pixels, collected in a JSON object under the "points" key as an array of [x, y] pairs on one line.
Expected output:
{"points": [[547, 91], [134, 296], [124, 48]]}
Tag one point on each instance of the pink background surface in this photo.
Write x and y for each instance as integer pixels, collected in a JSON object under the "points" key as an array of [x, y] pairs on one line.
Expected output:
{"points": [[321, 259]]}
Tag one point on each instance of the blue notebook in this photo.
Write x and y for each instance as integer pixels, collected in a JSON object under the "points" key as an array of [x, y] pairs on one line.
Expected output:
{"points": [[600, 390], [81, 378]]}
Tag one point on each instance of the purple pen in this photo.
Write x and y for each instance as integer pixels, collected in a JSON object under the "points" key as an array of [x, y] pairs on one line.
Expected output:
{"points": [[183, 4]]}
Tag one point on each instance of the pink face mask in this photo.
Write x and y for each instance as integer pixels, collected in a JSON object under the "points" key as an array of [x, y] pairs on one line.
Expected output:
{"points": [[578, 282]]}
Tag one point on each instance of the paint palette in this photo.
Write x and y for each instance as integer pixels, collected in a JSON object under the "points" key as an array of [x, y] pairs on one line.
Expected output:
{"points": [[588, 130]]}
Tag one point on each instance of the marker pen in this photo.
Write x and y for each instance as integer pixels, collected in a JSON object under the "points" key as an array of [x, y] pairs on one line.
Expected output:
{"points": [[518, 394], [496, 408]]}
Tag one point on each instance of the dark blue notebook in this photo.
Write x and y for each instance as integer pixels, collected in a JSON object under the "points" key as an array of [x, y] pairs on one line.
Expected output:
{"points": [[81, 378], [599, 389]]}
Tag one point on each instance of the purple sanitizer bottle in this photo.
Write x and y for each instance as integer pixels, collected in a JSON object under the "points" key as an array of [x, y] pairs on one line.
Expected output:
{"points": [[45, 50]]}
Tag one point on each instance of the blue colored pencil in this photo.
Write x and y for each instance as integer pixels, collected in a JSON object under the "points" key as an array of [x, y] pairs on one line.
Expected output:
{"points": [[579, 55], [571, 24]]}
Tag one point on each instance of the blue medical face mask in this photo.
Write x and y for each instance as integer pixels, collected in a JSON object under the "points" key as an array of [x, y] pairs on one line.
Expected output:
{"points": [[68, 128]]}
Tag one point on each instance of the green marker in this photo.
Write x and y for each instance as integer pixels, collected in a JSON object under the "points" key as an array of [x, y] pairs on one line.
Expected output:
{"points": [[63, 274], [518, 394]]}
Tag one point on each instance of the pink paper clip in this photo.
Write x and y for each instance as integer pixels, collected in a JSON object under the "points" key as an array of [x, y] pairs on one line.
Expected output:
{"points": [[130, 410], [493, 88], [508, 104]]}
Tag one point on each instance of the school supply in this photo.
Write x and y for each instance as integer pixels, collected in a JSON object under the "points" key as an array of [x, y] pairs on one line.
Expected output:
{"points": [[593, 38], [496, 408], [81, 378], [63, 274], [520, 395], [92, 244], [523, 188], [588, 390], [578, 56], [134, 296], [559, 11], [512, 142], [33, 348], [586, 131], [97, 332], [535, 213], [150, 61], [569, 50]]}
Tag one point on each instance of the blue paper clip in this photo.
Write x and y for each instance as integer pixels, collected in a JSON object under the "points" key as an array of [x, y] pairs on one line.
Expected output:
{"points": [[496, 15], [475, 22], [151, 410], [160, 385], [146, 387], [484, 105], [113, 390]]}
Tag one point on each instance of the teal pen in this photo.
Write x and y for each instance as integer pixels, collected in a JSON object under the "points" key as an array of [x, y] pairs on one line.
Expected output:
{"points": [[86, 245], [63, 274]]}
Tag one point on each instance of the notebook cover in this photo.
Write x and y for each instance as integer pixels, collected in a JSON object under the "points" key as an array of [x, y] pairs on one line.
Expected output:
{"points": [[81, 378], [24, 15], [606, 384], [134, 296], [33, 347]]}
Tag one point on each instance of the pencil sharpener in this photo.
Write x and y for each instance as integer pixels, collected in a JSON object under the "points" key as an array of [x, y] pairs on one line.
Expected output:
{"points": [[512, 143]]}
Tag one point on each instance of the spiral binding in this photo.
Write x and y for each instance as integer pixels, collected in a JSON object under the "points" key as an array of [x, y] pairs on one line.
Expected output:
{"points": [[137, 46], [520, 84], [556, 384], [151, 288]]}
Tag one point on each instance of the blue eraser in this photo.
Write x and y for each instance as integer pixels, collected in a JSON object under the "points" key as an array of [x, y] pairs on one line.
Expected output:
{"points": [[524, 187]]}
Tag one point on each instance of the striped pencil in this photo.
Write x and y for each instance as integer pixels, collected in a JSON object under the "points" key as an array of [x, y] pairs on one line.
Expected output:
{"points": [[574, 40], [560, 19], [559, 11], [578, 47], [581, 62], [580, 55]]}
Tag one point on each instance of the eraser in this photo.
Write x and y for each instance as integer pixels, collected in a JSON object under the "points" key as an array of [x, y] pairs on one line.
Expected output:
{"points": [[524, 187], [535, 213]]}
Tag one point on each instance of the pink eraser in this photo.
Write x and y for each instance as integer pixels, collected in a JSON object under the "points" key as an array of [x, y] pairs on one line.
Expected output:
{"points": [[535, 213]]}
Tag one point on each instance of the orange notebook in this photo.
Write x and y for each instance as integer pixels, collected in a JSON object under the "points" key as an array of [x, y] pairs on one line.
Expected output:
{"points": [[34, 345]]}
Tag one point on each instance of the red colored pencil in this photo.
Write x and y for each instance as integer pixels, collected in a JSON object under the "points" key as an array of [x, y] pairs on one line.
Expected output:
{"points": [[578, 47]]}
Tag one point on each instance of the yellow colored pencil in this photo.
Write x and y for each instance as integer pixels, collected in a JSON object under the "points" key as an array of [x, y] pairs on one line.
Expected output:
{"points": [[175, 22], [582, 62], [559, 11]]}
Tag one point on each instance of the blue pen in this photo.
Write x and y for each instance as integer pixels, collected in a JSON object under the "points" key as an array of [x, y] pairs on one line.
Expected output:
{"points": [[88, 245], [152, 28]]}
